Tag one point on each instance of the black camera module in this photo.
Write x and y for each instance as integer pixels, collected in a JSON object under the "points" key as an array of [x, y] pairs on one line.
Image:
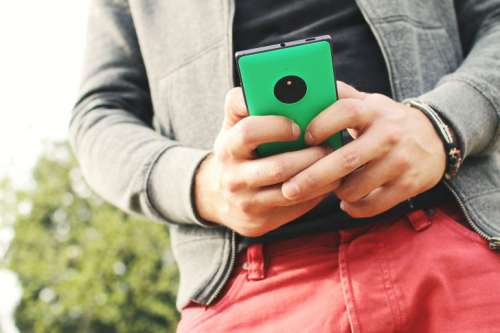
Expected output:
{"points": [[290, 89]]}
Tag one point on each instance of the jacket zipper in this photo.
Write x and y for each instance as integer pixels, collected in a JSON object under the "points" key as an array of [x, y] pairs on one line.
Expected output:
{"points": [[227, 274], [232, 254], [494, 242]]}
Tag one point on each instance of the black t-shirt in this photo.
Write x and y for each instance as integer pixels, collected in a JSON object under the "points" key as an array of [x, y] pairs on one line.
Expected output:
{"points": [[358, 62], [358, 59]]}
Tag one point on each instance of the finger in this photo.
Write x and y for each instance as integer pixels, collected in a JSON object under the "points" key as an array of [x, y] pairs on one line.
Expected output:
{"points": [[288, 214], [271, 198], [370, 146], [379, 200], [279, 168], [235, 108], [347, 91], [246, 135], [265, 200], [309, 196], [280, 216], [345, 113], [373, 175]]}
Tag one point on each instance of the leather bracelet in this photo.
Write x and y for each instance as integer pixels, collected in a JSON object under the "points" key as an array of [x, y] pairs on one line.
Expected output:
{"points": [[452, 149]]}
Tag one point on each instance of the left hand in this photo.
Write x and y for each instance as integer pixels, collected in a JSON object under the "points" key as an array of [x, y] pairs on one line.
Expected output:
{"points": [[397, 154]]}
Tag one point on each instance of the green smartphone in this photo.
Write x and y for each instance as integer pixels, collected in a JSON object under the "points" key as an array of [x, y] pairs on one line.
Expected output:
{"points": [[293, 79]]}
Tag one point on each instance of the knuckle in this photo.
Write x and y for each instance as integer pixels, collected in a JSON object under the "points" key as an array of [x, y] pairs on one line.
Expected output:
{"points": [[231, 183], [376, 99], [277, 170], [233, 186], [355, 111], [408, 185], [393, 136], [308, 181], [402, 162], [350, 160], [245, 131], [245, 206]]}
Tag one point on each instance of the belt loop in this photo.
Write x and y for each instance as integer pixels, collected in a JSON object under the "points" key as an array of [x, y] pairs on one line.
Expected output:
{"points": [[254, 264], [419, 220]]}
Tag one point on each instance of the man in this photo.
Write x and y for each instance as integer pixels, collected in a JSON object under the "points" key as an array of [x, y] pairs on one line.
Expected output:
{"points": [[368, 238]]}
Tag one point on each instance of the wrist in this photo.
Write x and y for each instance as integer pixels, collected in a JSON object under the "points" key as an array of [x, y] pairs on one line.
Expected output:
{"points": [[447, 135], [204, 193]]}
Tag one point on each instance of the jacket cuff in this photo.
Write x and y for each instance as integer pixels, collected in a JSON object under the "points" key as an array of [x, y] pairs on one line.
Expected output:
{"points": [[468, 111], [169, 186]]}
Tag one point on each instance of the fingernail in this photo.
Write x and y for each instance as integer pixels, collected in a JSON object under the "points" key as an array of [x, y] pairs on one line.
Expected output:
{"points": [[342, 205], [290, 190], [295, 130], [309, 138]]}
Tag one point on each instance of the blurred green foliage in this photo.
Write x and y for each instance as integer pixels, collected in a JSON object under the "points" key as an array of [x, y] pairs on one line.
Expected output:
{"points": [[84, 265]]}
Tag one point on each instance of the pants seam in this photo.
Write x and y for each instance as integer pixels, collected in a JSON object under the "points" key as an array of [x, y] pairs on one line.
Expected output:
{"points": [[346, 289], [390, 290]]}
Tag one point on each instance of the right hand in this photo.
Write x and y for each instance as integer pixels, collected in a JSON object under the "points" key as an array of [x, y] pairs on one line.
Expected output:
{"points": [[235, 189]]}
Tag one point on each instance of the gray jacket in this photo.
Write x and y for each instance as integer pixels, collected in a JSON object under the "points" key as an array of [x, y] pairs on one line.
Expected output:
{"points": [[151, 104]]}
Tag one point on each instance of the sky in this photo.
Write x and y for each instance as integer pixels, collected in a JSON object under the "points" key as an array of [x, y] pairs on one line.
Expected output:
{"points": [[41, 54], [40, 63]]}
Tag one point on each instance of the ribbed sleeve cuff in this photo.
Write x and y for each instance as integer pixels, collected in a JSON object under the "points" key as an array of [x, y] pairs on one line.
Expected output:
{"points": [[169, 186], [469, 112]]}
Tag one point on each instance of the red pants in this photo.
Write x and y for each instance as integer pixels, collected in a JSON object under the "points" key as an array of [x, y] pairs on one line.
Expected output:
{"points": [[416, 274]]}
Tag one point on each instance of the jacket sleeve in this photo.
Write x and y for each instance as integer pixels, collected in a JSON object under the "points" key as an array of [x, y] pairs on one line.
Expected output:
{"points": [[122, 158], [469, 98]]}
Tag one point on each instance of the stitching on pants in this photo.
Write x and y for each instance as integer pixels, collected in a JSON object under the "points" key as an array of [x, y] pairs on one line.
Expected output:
{"points": [[391, 293], [346, 289]]}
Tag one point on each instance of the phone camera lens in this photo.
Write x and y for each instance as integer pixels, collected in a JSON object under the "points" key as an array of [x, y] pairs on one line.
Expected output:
{"points": [[290, 89]]}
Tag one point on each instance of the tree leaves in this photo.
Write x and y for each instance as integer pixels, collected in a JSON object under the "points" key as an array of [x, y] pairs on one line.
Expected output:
{"points": [[85, 266]]}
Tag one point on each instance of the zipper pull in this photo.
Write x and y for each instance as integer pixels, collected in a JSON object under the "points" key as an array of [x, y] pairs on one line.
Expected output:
{"points": [[494, 243]]}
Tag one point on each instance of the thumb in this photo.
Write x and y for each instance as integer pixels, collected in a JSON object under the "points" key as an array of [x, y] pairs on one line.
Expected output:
{"points": [[234, 107]]}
